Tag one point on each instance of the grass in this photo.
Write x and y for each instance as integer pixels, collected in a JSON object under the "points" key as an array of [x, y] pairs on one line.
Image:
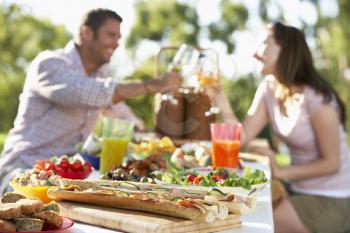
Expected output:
{"points": [[2, 140]]}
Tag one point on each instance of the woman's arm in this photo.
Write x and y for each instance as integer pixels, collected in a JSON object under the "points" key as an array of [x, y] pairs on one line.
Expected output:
{"points": [[255, 121], [325, 123]]}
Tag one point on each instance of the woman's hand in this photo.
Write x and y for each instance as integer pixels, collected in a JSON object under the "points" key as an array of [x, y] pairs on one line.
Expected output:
{"points": [[276, 170]]}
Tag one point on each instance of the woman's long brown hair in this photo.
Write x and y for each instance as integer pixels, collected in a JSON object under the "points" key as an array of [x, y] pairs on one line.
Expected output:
{"points": [[295, 64]]}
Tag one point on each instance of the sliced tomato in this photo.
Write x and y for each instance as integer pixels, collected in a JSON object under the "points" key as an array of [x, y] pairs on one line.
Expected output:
{"points": [[185, 203], [216, 178]]}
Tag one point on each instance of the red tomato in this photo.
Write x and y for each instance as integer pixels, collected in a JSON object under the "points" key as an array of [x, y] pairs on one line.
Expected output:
{"points": [[185, 203], [197, 180], [60, 170], [216, 178], [87, 166], [64, 164], [50, 166], [40, 165], [77, 166], [191, 177]]}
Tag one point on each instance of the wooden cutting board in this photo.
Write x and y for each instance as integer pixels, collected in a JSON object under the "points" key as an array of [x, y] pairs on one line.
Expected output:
{"points": [[137, 221]]}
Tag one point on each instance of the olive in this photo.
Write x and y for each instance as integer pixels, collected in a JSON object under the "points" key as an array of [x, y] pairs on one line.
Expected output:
{"points": [[124, 177]]}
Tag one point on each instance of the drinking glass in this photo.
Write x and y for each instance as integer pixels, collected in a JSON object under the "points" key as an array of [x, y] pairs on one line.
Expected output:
{"points": [[116, 137], [184, 62], [207, 71], [226, 144], [208, 76]]}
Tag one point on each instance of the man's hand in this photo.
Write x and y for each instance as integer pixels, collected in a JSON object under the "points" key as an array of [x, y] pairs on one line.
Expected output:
{"points": [[170, 82]]}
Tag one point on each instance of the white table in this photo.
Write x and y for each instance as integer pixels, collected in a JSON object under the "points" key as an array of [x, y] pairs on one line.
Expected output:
{"points": [[259, 221]]}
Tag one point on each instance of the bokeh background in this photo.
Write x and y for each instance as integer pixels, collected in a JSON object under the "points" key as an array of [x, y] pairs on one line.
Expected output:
{"points": [[233, 28]]}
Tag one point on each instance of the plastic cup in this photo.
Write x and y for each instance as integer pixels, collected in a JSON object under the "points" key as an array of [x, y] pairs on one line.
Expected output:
{"points": [[116, 137], [226, 144], [113, 153]]}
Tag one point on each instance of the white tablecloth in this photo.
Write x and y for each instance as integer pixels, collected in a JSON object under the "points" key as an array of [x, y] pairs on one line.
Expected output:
{"points": [[259, 221]]}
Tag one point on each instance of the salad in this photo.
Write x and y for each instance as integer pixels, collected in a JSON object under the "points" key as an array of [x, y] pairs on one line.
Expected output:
{"points": [[219, 177]]}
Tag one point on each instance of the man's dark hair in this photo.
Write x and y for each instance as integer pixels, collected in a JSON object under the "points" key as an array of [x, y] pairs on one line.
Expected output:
{"points": [[95, 18]]}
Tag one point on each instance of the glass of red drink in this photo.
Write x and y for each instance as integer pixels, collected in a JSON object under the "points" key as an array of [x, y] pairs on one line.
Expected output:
{"points": [[226, 144]]}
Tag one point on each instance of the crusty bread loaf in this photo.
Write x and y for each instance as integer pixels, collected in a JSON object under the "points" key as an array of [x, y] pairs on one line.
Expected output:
{"points": [[9, 210], [163, 207], [28, 224], [52, 219], [7, 226], [11, 197], [30, 205]]}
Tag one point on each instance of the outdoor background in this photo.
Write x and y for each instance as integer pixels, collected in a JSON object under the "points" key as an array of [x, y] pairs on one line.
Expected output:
{"points": [[233, 28]]}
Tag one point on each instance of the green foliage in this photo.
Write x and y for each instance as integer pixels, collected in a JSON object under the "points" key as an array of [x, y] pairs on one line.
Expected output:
{"points": [[168, 21], [143, 105], [233, 17], [240, 93], [22, 37]]}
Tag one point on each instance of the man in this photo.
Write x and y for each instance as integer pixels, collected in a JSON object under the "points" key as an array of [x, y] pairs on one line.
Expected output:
{"points": [[64, 93]]}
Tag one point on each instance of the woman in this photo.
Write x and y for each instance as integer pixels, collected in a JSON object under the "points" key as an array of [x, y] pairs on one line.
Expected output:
{"points": [[307, 115]]}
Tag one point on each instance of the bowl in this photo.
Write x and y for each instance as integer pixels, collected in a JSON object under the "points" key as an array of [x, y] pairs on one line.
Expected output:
{"points": [[80, 175], [94, 160], [29, 191]]}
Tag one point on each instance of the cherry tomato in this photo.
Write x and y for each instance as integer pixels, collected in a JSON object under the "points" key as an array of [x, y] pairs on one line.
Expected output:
{"points": [[77, 166], [60, 170], [50, 166], [191, 177], [64, 164]]}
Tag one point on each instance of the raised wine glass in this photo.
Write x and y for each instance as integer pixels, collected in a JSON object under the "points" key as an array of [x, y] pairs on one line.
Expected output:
{"points": [[208, 76], [185, 63]]}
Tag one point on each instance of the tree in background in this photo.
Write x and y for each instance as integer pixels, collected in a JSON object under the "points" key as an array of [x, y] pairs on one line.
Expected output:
{"points": [[166, 23], [22, 37]]}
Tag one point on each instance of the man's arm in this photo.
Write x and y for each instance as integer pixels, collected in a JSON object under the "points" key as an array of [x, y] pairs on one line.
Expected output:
{"points": [[55, 80], [168, 82]]}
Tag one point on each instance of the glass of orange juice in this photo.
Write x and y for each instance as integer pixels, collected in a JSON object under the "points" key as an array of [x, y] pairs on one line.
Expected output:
{"points": [[116, 137], [226, 144]]}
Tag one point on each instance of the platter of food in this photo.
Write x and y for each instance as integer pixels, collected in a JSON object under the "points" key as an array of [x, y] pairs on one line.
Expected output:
{"points": [[21, 214]]}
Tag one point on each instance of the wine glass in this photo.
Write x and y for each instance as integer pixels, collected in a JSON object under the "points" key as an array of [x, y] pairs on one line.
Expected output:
{"points": [[207, 71], [184, 62], [208, 76]]}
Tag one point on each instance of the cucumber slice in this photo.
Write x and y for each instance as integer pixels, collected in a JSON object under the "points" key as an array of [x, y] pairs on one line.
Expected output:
{"points": [[161, 189], [151, 194], [122, 193], [175, 199], [216, 192], [127, 184]]}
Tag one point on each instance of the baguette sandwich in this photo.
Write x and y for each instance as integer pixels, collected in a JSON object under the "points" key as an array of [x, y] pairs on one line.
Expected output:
{"points": [[154, 201]]}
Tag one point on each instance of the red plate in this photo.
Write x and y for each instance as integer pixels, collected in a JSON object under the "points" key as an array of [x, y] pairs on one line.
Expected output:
{"points": [[67, 223]]}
